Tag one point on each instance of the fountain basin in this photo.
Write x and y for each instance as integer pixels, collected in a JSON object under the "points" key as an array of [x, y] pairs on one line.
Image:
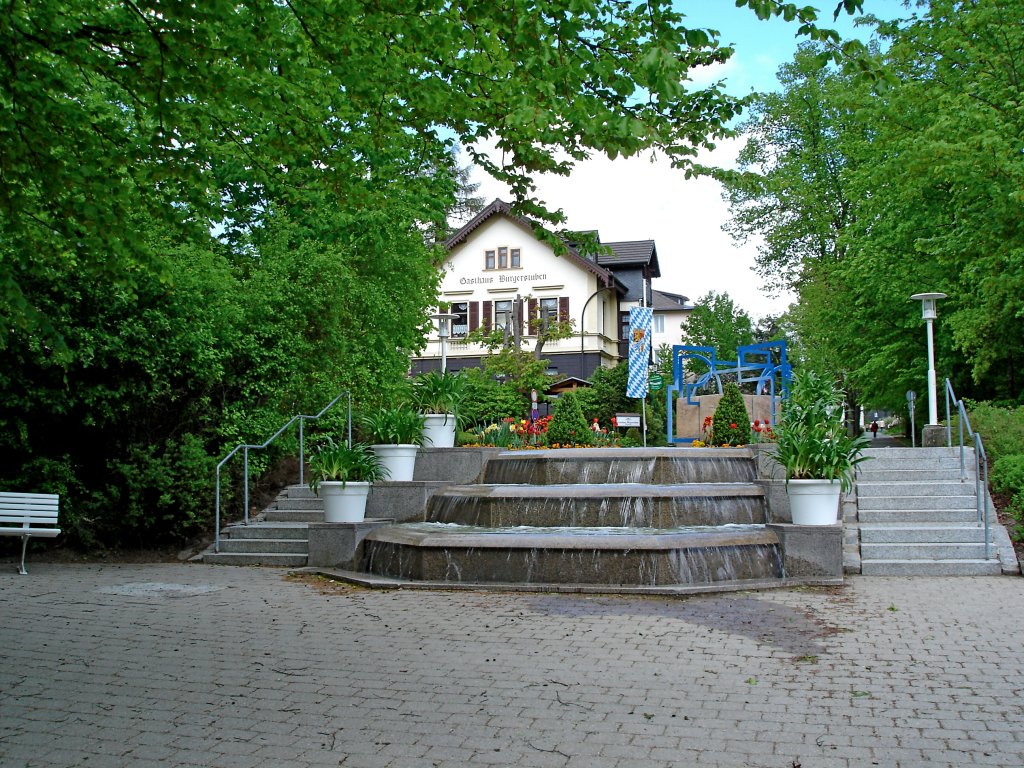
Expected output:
{"points": [[562, 555], [622, 465], [624, 504]]}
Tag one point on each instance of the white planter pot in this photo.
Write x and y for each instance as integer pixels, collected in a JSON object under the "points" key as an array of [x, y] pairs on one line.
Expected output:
{"points": [[398, 460], [343, 502], [814, 502], [439, 430]]}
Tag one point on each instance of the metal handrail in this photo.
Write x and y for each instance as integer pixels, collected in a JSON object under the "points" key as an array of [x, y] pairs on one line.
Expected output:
{"points": [[980, 457], [246, 447]]}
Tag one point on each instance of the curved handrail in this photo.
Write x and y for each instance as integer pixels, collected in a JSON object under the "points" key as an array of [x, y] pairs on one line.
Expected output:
{"points": [[980, 457], [246, 447]]}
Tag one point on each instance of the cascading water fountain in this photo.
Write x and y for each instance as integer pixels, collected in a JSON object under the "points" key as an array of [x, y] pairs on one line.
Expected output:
{"points": [[622, 518]]}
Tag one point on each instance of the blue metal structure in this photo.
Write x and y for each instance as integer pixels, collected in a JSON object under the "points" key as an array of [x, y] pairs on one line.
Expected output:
{"points": [[765, 364]]}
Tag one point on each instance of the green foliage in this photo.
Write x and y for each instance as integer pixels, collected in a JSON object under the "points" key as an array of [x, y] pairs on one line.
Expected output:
{"points": [[1002, 429], [716, 321], [1007, 474], [632, 438], [731, 422], [519, 369], [864, 196], [400, 425], [811, 440], [487, 400], [225, 352], [568, 425], [354, 463], [1016, 512], [315, 140], [607, 396]]}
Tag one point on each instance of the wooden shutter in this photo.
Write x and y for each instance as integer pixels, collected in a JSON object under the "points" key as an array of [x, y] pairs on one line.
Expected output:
{"points": [[474, 315], [563, 309], [488, 314], [532, 309]]}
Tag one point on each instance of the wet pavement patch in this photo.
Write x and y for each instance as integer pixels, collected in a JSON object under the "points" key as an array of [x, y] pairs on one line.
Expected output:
{"points": [[159, 589]]}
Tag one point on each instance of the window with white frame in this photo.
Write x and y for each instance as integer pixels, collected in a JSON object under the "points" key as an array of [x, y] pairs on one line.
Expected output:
{"points": [[460, 323], [659, 323], [502, 315], [503, 257], [548, 312]]}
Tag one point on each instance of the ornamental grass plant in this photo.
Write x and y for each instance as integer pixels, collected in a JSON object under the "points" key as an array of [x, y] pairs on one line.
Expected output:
{"points": [[811, 442], [437, 392], [346, 463], [394, 426]]}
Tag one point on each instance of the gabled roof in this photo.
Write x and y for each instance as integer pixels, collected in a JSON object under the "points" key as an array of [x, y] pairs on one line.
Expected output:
{"points": [[662, 301], [631, 253], [501, 208]]}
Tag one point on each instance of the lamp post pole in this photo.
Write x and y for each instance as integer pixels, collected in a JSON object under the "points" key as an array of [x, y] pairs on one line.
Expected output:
{"points": [[443, 321], [583, 318], [928, 314]]}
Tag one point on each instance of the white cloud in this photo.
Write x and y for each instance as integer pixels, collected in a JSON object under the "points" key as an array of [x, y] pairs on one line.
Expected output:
{"points": [[637, 199]]}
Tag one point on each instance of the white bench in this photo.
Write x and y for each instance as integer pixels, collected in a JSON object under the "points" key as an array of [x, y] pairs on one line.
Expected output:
{"points": [[28, 515]]}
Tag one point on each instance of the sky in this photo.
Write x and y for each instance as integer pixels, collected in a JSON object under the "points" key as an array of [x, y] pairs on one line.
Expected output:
{"points": [[637, 199]]}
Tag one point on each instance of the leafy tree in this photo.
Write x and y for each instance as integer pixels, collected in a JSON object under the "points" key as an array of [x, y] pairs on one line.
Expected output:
{"points": [[215, 214], [488, 400], [716, 322], [200, 114], [866, 197]]}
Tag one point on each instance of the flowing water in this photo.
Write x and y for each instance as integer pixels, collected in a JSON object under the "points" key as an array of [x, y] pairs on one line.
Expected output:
{"points": [[592, 516]]}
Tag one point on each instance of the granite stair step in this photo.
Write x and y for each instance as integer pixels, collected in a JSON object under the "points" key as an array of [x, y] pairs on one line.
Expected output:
{"points": [[931, 567], [280, 560]]}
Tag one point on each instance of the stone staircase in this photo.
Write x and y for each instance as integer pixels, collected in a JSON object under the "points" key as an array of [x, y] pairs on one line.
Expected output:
{"points": [[914, 516], [277, 536]]}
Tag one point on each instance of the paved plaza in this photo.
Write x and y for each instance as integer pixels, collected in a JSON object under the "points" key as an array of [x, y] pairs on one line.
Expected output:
{"points": [[192, 665]]}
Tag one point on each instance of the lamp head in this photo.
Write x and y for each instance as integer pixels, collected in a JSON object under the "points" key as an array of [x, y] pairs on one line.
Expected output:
{"points": [[443, 320], [928, 304]]}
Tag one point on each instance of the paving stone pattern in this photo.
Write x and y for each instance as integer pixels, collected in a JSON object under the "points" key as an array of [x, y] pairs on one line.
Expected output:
{"points": [[193, 665]]}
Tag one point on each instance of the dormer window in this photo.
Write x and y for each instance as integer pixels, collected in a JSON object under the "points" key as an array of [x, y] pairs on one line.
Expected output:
{"points": [[503, 257]]}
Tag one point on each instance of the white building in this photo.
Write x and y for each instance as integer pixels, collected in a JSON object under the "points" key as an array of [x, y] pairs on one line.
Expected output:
{"points": [[670, 309], [500, 273]]}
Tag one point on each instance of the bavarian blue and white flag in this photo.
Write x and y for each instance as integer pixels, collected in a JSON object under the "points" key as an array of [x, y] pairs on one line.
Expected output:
{"points": [[639, 351]]}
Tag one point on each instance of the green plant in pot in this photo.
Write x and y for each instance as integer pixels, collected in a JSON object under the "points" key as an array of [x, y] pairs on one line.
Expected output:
{"points": [[812, 446], [398, 434], [341, 474], [438, 396]]}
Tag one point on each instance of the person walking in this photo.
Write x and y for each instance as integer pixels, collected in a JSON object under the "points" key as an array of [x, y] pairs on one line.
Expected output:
{"points": [[874, 429]]}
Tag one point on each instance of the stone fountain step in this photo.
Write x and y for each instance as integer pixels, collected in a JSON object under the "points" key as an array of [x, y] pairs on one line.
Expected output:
{"points": [[623, 505], [671, 466], [610, 556]]}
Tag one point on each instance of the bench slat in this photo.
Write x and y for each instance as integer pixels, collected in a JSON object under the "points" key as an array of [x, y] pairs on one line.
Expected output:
{"points": [[23, 519], [44, 533], [28, 510], [29, 500]]}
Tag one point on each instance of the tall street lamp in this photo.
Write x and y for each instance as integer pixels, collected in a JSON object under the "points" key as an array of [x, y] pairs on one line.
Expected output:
{"points": [[444, 320], [928, 314], [583, 319]]}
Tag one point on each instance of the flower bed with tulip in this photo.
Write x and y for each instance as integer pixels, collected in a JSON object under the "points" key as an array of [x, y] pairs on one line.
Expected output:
{"points": [[523, 435]]}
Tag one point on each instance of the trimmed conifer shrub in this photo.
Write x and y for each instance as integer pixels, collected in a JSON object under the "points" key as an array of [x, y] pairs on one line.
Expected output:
{"points": [[731, 423], [568, 424]]}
